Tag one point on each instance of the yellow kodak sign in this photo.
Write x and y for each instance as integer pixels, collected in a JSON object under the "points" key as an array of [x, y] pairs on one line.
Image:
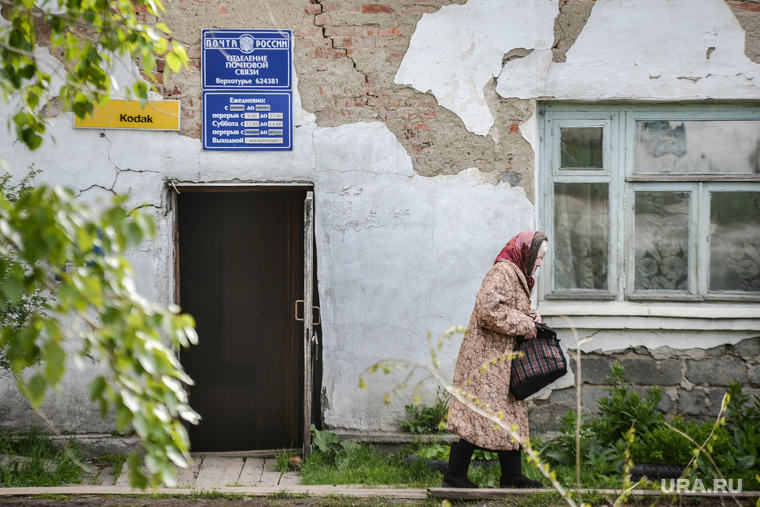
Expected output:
{"points": [[120, 114]]}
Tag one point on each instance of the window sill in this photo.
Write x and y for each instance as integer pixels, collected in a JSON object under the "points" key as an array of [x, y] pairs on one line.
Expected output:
{"points": [[651, 315]]}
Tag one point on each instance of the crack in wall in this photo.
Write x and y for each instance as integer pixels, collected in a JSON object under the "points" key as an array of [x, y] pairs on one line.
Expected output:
{"points": [[568, 24], [345, 51]]}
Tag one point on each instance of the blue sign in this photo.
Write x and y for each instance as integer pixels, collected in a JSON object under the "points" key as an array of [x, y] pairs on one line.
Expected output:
{"points": [[245, 59], [247, 120]]}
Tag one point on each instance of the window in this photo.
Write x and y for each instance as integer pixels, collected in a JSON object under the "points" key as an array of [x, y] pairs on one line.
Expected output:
{"points": [[651, 203]]}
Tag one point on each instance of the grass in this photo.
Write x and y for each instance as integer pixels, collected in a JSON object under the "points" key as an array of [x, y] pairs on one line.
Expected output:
{"points": [[369, 467], [114, 461], [35, 460]]}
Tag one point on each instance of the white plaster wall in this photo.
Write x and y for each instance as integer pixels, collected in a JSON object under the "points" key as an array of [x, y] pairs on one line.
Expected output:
{"points": [[400, 255], [652, 50], [657, 50], [629, 49], [455, 51]]}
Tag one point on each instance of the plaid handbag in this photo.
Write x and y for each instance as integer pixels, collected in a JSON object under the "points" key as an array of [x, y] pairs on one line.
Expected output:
{"points": [[542, 363]]}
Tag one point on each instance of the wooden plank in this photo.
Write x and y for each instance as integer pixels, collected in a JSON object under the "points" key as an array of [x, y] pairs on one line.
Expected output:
{"points": [[251, 473], [218, 472], [186, 476]]}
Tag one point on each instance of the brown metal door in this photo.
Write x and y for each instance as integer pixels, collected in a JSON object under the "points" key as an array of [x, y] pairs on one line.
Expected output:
{"points": [[240, 270]]}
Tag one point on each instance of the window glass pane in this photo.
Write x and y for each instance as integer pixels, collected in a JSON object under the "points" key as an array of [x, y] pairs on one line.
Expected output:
{"points": [[581, 148], [735, 241], [581, 230], [697, 147], [661, 237]]}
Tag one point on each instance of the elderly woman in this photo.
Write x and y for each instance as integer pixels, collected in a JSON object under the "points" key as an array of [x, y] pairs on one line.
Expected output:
{"points": [[502, 315]]}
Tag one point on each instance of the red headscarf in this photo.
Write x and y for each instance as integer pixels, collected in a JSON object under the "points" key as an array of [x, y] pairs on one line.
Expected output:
{"points": [[518, 251]]}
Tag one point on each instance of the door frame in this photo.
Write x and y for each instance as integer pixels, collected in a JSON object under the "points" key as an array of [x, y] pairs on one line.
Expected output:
{"points": [[175, 187]]}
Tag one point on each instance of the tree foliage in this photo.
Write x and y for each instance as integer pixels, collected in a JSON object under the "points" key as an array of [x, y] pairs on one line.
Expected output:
{"points": [[15, 315], [73, 253], [62, 269], [87, 36]]}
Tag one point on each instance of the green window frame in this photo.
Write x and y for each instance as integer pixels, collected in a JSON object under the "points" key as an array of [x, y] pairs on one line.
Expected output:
{"points": [[650, 202]]}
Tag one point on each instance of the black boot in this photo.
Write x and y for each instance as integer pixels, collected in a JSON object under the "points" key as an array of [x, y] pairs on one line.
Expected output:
{"points": [[511, 472], [459, 462]]}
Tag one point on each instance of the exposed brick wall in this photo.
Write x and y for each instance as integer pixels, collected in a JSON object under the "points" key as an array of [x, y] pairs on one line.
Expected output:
{"points": [[748, 14], [346, 55], [692, 381]]}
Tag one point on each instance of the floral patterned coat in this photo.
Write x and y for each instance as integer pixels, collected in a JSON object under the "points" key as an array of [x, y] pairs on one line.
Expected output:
{"points": [[501, 314]]}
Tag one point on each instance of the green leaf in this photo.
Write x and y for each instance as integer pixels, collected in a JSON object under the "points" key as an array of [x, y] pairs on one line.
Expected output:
{"points": [[35, 389], [745, 462], [52, 229], [13, 290], [149, 62], [174, 62], [162, 26], [97, 388], [55, 359], [136, 478]]}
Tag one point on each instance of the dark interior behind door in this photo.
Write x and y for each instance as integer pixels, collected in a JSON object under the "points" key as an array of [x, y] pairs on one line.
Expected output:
{"points": [[240, 271]]}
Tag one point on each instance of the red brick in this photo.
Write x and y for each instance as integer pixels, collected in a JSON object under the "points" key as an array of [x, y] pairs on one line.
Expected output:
{"points": [[746, 6], [418, 10], [312, 9], [327, 53], [357, 42], [350, 102], [392, 43], [388, 114], [393, 31], [514, 128], [318, 42], [322, 19], [384, 102], [344, 31], [376, 9], [421, 126], [310, 31], [423, 102], [419, 137], [340, 6]]}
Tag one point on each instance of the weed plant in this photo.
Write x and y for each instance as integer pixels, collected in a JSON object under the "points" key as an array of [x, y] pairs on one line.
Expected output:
{"points": [[366, 465], [114, 461], [33, 460], [352, 463], [732, 444], [425, 420]]}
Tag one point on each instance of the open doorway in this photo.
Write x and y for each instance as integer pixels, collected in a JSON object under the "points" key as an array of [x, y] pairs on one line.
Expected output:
{"points": [[240, 272]]}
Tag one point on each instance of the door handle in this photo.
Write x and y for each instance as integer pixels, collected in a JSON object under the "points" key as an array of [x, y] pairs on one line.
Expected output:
{"points": [[313, 308]]}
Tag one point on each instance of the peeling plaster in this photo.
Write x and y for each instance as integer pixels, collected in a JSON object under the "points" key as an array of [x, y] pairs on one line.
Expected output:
{"points": [[694, 47], [398, 253], [675, 50], [455, 51]]}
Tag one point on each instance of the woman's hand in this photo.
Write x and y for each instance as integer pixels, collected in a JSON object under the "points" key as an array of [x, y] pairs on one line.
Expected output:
{"points": [[532, 333], [536, 318]]}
